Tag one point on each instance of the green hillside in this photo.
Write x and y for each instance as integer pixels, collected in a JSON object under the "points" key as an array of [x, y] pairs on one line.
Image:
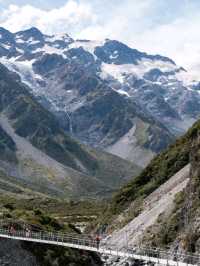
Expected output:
{"points": [[180, 228], [160, 169]]}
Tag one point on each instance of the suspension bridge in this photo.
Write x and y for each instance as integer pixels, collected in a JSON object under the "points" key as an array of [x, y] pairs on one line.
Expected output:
{"points": [[149, 255]]}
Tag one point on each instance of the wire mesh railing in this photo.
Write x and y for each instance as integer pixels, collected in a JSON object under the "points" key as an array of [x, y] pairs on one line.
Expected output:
{"points": [[87, 242]]}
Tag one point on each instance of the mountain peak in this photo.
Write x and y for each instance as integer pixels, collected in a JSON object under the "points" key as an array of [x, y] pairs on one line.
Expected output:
{"points": [[5, 35], [60, 37], [3, 30], [32, 32]]}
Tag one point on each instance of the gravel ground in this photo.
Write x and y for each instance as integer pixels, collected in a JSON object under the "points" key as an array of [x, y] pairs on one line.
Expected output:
{"points": [[159, 201]]}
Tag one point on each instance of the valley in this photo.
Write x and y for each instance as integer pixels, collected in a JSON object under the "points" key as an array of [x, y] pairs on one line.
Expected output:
{"points": [[96, 138]]}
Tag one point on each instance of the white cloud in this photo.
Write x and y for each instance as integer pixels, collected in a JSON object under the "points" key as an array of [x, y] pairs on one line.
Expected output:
{"points": [[123, 20], [179, 40], [70, 16], [149, 25]]}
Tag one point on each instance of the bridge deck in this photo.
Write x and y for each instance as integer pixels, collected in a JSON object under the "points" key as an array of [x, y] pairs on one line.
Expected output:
{"points": [[86, 243]]}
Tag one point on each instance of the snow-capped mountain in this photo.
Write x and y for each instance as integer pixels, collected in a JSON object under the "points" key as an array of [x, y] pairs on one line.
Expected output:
{"points": [[105, 93]]}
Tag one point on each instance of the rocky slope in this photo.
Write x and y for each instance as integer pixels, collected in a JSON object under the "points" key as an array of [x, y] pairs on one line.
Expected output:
{"points": [[160, 207], [11, 253], [36, 153], [181, 229], [106, 94], [18, 253], [158, 202]]}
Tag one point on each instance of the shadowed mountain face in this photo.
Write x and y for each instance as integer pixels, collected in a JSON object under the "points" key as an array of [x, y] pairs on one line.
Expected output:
{"points": [[37, 154], [105, 94]]}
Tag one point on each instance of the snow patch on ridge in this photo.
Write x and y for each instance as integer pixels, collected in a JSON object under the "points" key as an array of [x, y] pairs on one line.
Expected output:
{"points": [[25, 71], [187, 78], [50, 50], [88, 46], [6, 46], [118, 72], [58, 37]]}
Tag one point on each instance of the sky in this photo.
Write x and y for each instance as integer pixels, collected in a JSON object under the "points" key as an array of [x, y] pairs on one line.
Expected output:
{"points": [[166, 27]]}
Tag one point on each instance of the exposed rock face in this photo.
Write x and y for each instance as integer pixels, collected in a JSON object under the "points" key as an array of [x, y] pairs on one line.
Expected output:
{"points": [[12, 254], [100, 91], [18, 253], [37, 154], [177, 222]]}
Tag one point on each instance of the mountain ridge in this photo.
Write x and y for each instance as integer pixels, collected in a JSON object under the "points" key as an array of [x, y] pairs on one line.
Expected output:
{"points": [[44, 156], [70, 76]]}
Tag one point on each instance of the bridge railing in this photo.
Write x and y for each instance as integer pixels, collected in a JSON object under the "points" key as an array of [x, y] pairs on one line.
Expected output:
{"points": [[86, 241], [193, 259], [50, 236]]}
